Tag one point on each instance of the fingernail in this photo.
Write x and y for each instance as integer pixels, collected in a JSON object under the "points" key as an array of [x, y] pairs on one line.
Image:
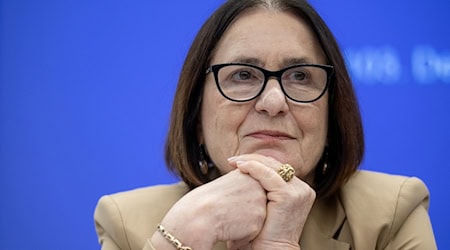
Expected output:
{"points": [[240, 163]]}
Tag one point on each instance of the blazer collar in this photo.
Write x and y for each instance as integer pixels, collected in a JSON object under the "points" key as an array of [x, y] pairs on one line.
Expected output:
{"points": [[326, 219]]}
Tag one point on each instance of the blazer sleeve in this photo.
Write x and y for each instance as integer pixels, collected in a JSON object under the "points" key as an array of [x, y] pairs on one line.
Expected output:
{"points": [[411, 226], [109, 225]]}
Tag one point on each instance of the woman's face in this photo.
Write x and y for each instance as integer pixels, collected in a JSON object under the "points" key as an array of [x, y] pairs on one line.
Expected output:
{"points": [[271, 124]]}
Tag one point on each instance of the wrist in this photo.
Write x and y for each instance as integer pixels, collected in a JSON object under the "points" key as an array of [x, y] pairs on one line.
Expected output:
{"points": [[184, 237], [157, 241], [172, 239]]}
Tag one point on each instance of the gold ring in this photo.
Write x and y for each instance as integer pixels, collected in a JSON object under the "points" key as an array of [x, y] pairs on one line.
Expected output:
{"points": [[286, 172]]}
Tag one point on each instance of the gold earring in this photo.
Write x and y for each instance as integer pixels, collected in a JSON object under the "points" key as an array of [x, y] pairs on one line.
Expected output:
{"points": [[324, 168], [325, 161], [202, 162], [203, 167]]}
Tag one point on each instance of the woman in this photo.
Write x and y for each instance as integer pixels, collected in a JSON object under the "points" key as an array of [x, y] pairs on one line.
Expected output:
{"points": [[267, 137]]}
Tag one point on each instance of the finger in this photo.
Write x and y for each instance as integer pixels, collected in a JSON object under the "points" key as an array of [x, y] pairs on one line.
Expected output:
{"points": [[269, 179], [266, 160]]}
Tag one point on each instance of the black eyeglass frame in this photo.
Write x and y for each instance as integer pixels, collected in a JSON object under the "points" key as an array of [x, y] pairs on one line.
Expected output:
{"points": [[269, 74]]}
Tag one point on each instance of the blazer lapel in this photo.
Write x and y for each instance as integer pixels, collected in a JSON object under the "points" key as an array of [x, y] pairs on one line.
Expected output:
{"points": [[324, 225]]}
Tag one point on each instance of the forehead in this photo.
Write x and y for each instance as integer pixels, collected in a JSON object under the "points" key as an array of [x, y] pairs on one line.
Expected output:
{"points": [[269, 38]]}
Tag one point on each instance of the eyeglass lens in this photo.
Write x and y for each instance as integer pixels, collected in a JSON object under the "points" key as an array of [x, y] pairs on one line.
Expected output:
{"points": [[243, 82]]}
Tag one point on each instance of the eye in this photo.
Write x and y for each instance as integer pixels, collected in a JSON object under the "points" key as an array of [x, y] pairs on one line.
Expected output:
{"points": [[297, 76], [242, 75]]}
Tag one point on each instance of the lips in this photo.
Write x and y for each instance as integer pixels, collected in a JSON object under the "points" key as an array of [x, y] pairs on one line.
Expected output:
{"points": [[270, 134]]}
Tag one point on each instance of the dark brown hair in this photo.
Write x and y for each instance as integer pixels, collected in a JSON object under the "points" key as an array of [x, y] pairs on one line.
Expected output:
{"points": [[345, 145]]}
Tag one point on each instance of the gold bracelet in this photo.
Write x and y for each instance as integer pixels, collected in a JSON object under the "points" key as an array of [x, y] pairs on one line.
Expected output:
{"points": [[174, 241]]}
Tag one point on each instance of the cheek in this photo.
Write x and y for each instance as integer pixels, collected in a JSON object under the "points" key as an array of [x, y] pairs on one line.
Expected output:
{"points": [[318, 121], [220, 120], [313, 122], [315, 119], [211, 122], [220, 115], [216, 126]]}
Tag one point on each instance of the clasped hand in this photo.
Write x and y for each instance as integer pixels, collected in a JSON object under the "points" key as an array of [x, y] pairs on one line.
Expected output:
{"points": [[250, 207]]}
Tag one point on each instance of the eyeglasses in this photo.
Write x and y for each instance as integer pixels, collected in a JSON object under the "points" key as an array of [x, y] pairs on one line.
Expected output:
{"points": [[242, 82]]}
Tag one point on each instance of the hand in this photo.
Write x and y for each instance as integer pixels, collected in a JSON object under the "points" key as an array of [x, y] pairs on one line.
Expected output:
{"points": [[230, 208], [289, 203]]}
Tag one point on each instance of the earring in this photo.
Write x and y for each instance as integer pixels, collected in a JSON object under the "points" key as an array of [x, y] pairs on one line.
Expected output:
{"points": [[324, 168], [202, 162], [325, 162]]}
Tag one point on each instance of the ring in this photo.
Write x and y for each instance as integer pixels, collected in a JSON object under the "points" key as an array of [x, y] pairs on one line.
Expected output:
{"points": [[286, 172]]}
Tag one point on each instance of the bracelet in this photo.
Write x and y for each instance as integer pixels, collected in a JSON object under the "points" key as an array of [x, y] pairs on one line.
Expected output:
{"points": [[174, 241]]}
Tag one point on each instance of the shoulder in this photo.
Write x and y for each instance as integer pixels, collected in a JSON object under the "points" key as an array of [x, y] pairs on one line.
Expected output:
{"points": [[375, 183], [145, 195], [375, 186], [377, 204], [131, 217], [152, 200]]}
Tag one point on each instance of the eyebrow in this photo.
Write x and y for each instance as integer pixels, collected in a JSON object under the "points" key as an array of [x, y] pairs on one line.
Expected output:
{"points": [[248, 60], [285, 63], [296, 60]]}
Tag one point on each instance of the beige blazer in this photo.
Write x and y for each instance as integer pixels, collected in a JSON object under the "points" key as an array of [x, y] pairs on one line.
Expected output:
{"points": [[372, 211]]}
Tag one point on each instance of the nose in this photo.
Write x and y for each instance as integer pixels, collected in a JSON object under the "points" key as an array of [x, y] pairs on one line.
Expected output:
{"points": [[272, 100]]}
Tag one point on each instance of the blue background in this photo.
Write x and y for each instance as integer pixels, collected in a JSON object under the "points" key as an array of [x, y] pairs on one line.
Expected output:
{"points": [[86, 91]]}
